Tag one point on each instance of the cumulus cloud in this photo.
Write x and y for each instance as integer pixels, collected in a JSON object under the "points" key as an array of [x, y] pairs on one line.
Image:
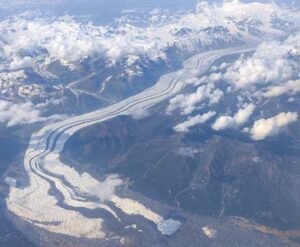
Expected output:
{"points": [[64, 40], [188, 103], [14, 114], [140, 113], [192, 121], [17, 114], [10, 78], [239, 119], [272, 62], [71, 41], [21, 62], [291, 87], [264, 128], [188, 151], [106, 189]]}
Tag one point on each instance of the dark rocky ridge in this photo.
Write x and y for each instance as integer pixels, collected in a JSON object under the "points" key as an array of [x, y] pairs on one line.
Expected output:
{"points": [[204, 172]]}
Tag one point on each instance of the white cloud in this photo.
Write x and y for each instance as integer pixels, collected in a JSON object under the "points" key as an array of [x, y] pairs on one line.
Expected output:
{"points": [[70, 41], [192, 121], [106, 189], [8, 79], [14, 114], [21, 62], [291, 87], [11, 181], [272, 62], [272, 126], [63, 39], [238, 11], [189, 102], [140, 113], [17, 114], [239, 119], [188, 151]]}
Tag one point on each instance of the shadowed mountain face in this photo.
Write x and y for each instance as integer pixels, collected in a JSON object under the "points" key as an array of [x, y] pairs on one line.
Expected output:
{"points": [[200, 172], [12, 148]]}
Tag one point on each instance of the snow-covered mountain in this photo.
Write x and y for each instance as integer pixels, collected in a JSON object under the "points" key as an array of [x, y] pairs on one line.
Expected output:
{"points": [[95, 65]]}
